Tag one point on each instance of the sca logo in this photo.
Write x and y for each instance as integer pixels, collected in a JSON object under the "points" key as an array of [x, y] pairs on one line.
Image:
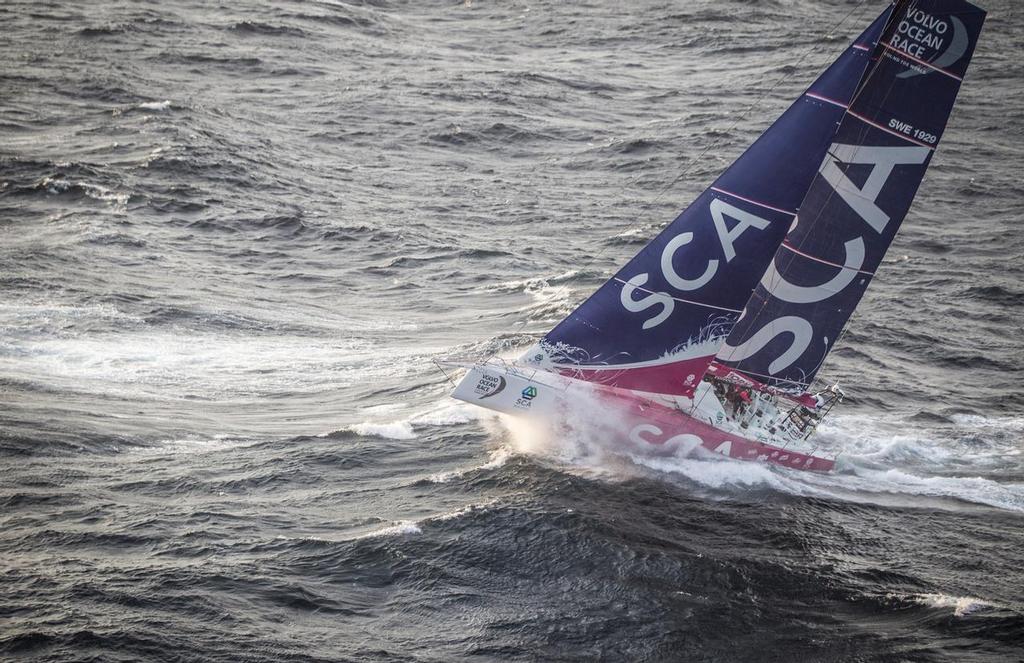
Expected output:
{"points": [[526, 397]]}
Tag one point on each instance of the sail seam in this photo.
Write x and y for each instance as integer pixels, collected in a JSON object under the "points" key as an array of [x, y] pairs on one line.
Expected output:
{"points": [[753, 202], [890, 131], [823, 261], [923, 63], [682, 301]]}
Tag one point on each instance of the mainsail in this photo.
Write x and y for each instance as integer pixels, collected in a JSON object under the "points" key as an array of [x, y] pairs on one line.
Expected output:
{"points": [[657, 324], [859, 196]]}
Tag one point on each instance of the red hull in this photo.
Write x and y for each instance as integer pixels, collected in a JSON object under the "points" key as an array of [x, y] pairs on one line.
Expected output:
{"points": [[660, 426]]}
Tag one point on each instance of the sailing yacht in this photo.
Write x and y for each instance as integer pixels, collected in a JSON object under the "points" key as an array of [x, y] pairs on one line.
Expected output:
{"points": [[711, 336]]}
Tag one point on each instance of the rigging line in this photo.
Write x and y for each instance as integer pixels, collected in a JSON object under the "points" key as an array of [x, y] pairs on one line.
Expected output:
{"points": [[444, 373], [695, 160]]}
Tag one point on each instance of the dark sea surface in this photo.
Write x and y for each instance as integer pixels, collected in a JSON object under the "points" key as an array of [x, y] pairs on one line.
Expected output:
{"points": [[234, 235]]}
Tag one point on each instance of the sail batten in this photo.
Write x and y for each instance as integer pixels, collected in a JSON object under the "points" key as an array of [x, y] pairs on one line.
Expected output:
{"points": [[827, 100], [752, 202], [797, 251]]}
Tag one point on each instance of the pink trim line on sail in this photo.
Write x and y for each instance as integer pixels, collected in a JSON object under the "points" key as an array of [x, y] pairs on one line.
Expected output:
{"points": [[787, 245], [890, 131], [753, 202], [923, 63], [826, 99]]}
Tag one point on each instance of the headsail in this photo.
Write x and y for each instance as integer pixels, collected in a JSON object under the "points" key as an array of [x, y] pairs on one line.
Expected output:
{"points": [[657, 324], [859, 196]]}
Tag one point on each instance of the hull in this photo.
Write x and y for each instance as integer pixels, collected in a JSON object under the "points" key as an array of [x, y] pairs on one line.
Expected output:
{"points": [[653, 425]]}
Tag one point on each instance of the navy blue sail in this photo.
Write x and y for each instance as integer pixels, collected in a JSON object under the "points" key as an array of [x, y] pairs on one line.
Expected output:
{"points": [[859, 196], [657, 324]]}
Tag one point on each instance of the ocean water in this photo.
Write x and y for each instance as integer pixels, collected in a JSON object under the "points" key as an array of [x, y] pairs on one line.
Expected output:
{"points": [[233, 236]]}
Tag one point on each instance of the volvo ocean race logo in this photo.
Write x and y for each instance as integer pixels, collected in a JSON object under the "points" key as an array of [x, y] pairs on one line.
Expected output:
{"points": [[937, 41], [489, 385]]}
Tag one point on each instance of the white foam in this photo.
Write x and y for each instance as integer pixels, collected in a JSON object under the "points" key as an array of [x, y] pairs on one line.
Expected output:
{"points": [[191, 445], [447, 414], [386, 408], [394, 528], [977, 420], [317, 539], [976, 489], [540, 289], [40, 315], [409, 527], [155, 105], [716, 473], [398, 430], [588, 440], [961, 605], [399, 528], [907, 442], [132, 361], [58, 186], [120, 198], [497, 459], [640, 232], [458, 513], [888, 461]]}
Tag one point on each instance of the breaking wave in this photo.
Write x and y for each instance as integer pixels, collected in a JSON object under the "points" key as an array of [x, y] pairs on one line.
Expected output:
{"points": [[880, 466]]}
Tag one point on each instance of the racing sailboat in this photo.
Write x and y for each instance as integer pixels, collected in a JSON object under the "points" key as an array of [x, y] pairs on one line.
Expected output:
{"points": [[712, 335]]}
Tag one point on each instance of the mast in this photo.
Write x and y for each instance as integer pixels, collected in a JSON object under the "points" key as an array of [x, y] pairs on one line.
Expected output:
{"points": [[859, 196], [659, 321]]}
